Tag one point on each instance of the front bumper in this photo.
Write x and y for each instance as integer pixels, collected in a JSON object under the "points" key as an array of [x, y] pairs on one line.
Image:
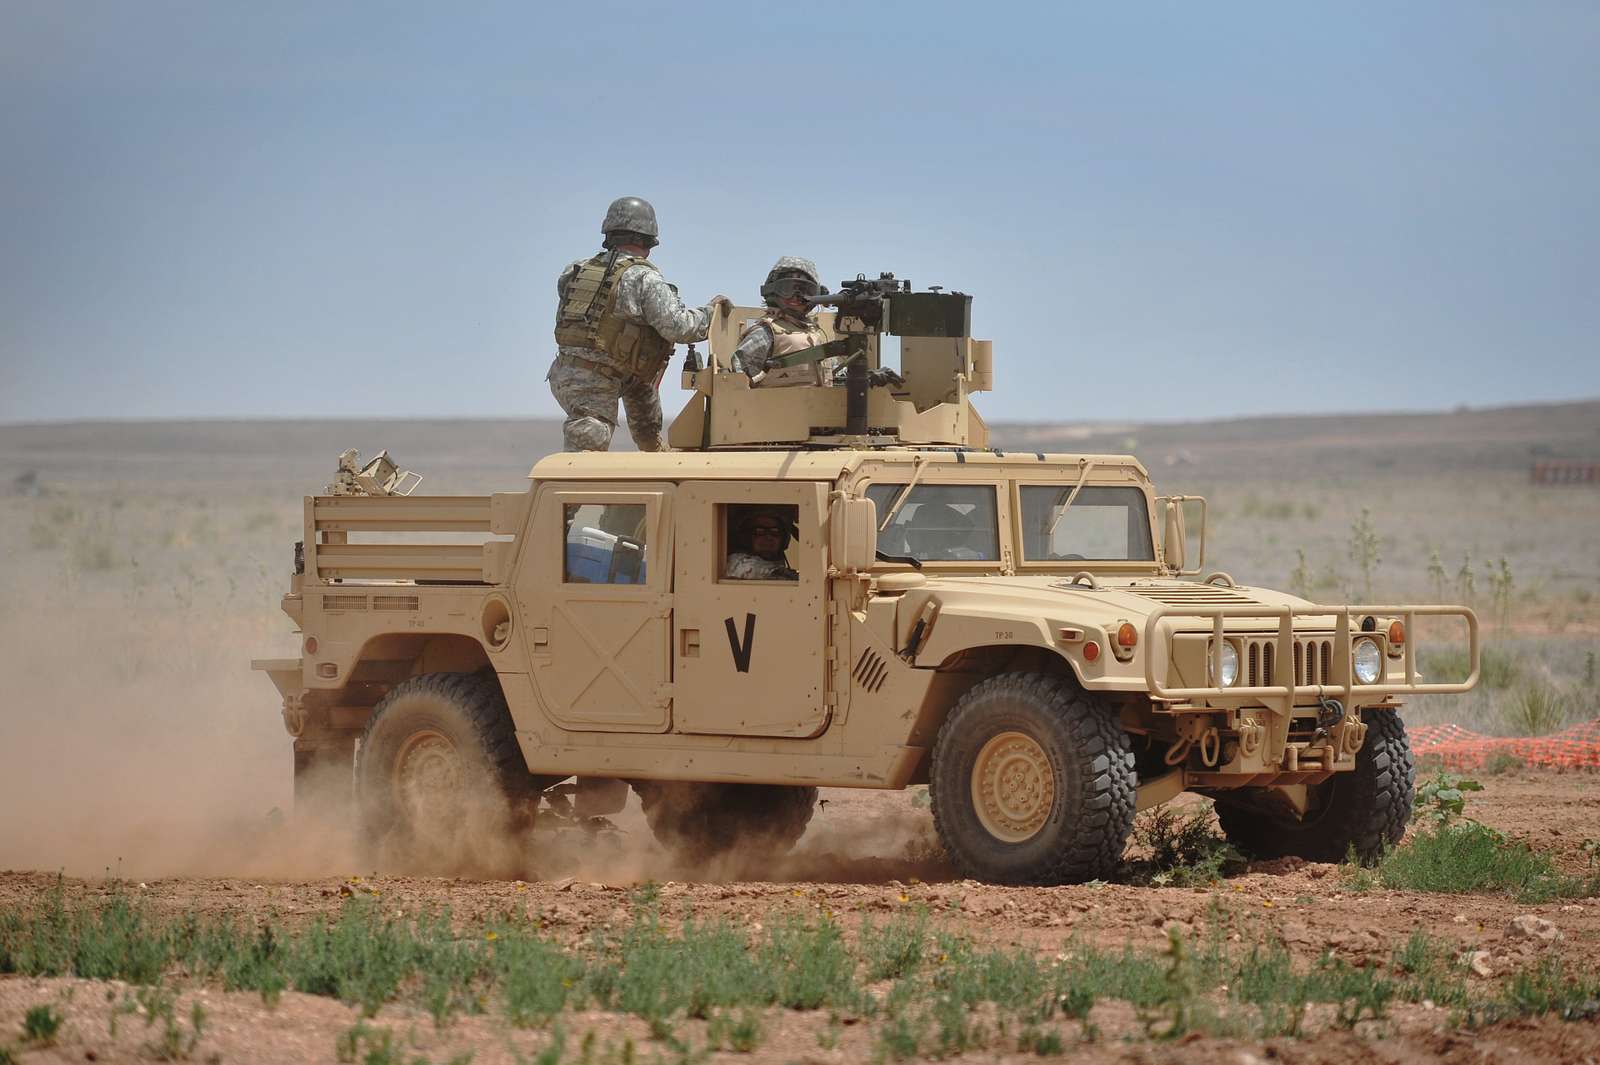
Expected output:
{"points": [[1289, 686]]}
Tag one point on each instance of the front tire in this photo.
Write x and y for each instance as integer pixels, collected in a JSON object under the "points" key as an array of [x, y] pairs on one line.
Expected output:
{"points": [[1033, 782], [1364, 810], [439, 774]]}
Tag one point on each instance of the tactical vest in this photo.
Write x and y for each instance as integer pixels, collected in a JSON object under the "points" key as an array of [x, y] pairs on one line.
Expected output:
{"points": [[587, 318], [788, 337]]}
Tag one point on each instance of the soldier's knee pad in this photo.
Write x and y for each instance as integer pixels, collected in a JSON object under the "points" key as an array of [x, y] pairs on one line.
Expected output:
{"points": [[588, 433]]}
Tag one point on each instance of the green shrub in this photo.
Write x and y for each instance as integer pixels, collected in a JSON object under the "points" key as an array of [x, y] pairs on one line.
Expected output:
{"points": [[1186, 848], [1471, 858], [40, 1024], [1538, 708]]}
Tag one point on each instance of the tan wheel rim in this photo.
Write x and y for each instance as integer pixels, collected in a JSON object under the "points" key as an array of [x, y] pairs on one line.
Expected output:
{"points": [[1012, 787], [427, 776]]}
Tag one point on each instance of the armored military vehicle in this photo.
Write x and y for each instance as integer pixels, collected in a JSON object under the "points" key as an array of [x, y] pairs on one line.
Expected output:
{"points": [[1020, 631]]}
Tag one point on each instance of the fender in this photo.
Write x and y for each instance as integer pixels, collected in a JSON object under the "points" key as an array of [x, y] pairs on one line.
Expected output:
{"points": [[953, 622]]}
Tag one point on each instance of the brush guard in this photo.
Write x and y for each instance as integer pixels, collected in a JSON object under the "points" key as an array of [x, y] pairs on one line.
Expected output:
{"points": [[1338, 685]]}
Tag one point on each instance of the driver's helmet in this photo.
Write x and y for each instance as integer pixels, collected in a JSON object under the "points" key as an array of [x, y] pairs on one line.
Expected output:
{"points": [[939, 530], [791, 276], [745, 526]]}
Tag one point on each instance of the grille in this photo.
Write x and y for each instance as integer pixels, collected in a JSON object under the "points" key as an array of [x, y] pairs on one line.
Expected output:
{"points": [[1190, 594], [1313, 661], [870, 671], [344, 602], [394, 602]]}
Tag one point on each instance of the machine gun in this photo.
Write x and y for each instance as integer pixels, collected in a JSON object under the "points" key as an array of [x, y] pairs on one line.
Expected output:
{"points": [[868, 307]]}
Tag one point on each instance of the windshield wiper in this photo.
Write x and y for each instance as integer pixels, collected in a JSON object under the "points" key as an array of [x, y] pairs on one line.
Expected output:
{"points": [[1050, 533], [905, 493], [907, 559]]}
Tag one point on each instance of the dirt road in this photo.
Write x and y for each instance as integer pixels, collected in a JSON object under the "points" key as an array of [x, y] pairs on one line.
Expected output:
{"points": [[854, 867]]}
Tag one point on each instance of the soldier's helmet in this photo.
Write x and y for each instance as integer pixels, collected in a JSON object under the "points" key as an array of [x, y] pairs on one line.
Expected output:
{"points": [[791, 276], [630, 217]]}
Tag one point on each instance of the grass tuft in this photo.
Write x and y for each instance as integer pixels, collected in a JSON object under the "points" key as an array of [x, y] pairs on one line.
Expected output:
{"points": [[1467, 857], [1537, 709], [40, 1024]]}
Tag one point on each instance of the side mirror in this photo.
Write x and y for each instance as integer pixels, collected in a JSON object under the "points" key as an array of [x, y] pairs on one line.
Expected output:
{"points": [[852, 533], [1175, 534], [1173, 544]]}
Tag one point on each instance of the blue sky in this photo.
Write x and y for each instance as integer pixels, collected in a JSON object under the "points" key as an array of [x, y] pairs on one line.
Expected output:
{"points": [[1163, 210]]}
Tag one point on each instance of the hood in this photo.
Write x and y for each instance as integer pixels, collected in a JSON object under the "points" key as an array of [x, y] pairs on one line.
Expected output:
{"points": [[1127, 598]]}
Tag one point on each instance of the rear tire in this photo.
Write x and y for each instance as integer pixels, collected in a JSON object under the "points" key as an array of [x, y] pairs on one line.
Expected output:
{"points": [[699, 822], [1033, 782], [1365, 809], [439, 771]]}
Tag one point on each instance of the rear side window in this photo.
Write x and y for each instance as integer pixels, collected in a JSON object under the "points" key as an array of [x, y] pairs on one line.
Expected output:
{"points": [[1104, 524], [939, 522], [605, 543]]}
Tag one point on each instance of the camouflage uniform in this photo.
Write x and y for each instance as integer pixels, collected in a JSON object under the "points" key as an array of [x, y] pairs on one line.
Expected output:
{"points": [[743, 566], [587, 383]]}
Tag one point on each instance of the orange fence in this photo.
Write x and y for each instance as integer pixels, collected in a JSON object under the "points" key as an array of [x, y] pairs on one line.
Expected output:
{"points": [[1565, 473], [1576, 748]]}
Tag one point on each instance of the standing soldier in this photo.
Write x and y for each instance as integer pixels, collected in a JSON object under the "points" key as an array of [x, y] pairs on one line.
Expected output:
{"points": [[788, 327], [615, 327]]}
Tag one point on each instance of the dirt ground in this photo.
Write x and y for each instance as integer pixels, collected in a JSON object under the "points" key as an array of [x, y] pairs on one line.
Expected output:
{"points": [[853, 865]]}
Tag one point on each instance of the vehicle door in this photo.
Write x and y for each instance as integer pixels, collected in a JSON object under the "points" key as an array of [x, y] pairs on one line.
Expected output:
{"points": [[750, 652], [596, 594]]}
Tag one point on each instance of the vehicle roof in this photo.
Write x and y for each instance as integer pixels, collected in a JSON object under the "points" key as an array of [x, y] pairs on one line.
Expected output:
{"points": [[809, 464]]}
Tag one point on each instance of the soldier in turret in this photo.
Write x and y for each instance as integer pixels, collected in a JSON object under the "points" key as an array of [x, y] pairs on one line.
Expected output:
{"points": [[786, 328], [617, 321]]}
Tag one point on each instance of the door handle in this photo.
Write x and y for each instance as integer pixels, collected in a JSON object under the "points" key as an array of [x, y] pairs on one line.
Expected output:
{"points": [[689, 643], [541, 640]]}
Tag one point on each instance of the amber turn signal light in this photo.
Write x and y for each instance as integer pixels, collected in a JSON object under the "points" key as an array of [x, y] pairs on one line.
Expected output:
{"points": [[1397, 638], [1127, 635]]}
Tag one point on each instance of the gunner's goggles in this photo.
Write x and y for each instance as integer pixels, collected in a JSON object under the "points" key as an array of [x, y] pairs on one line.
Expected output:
{"points": [[790, 286]]}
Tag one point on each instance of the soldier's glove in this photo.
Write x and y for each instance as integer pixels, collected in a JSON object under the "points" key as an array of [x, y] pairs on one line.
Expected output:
{"points": [[884, 377], [784, 573], [717, 303]]}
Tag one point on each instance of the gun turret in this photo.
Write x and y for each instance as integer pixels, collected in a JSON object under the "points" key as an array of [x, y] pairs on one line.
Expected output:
{"points": [[926, 401]]}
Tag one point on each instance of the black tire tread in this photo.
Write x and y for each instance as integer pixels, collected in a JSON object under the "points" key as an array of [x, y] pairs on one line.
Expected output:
{"points": [[478, 700], [1367, 812], [1107, 797]]}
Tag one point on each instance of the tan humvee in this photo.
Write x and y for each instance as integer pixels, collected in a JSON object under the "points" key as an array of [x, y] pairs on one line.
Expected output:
{"points": [[1013, 629]]}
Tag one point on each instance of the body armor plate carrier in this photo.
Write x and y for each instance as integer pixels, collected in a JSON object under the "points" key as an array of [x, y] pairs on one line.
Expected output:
{"points": [[587, 318], [788, 337]]}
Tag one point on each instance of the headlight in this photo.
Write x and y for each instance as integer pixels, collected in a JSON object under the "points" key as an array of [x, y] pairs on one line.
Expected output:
{"points": [[1368, 661], [1230, 664]]}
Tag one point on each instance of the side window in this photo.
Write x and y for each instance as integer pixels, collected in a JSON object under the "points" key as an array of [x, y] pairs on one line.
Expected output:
{"points": [[757, 539], [604, 543], [939, 522]]}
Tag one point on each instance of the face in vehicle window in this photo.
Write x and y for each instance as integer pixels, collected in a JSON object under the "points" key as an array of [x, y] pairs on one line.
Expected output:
{"points": [[1103, 524], [939, 522], [759, 536], [604, 543]]}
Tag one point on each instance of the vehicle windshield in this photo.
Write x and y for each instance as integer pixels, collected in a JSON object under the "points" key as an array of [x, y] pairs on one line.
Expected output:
{"points": [[1104, 524], [939, 522]]}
